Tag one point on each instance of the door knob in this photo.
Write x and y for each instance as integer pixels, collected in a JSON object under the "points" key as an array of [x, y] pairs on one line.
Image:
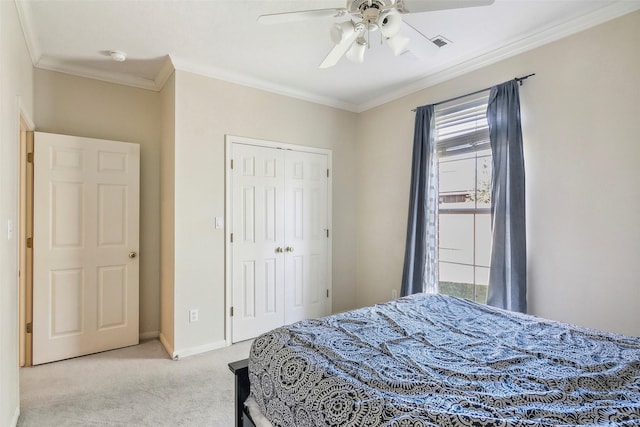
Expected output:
{"points": [[133, 254], [289, 249], [279, 249]]}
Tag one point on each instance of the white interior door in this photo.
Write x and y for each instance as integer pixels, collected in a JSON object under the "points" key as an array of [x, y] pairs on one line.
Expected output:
{"points": [[257, 199], [306, 289], [86, 224]]}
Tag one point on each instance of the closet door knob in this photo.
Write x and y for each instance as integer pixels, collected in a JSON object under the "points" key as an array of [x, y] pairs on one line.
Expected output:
{"points": [[279, 249], [289, 249]]}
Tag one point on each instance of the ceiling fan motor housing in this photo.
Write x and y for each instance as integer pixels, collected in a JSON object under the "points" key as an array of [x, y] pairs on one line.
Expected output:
{"points": [[377, 14], [370, 16], [359, 6]]}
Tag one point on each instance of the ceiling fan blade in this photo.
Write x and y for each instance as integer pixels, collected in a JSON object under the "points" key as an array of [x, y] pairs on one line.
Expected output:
{"points": [[302, 15], [417, 6], [339, 50], [336, 53]]}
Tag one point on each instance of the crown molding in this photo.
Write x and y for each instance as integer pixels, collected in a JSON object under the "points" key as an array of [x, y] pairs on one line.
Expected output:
{"points": [[515, 47], [24, 16], [261, 84], [164, 73], [53, 64]]}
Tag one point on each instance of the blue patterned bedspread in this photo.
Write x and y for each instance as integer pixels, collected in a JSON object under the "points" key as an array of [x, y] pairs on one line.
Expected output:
{"points": [[432, 360]]}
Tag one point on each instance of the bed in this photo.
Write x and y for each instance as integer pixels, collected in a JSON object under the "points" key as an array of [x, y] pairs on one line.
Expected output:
{"points": [[434, 360]]}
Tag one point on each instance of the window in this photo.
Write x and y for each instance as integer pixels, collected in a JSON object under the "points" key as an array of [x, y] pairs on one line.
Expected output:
{"points": [[464, 217]]}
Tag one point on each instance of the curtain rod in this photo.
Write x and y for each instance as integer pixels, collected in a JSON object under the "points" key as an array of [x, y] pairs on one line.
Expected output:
{"points": [[518, 79]]}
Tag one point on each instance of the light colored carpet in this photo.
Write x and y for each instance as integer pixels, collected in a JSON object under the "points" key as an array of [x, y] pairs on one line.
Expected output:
{"points": [[133, 386]]}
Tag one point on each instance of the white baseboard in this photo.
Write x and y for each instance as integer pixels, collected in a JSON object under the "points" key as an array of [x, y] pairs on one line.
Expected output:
{"points": [[16, 415], [149, 335], [186, 352]]}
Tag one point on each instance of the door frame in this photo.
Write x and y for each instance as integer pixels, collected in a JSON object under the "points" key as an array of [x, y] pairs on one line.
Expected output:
{"points": [[228, 225], [25, 253]]}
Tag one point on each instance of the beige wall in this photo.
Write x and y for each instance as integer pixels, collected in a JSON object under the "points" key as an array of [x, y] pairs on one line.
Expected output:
{"points": [[584, 193], [16, 95], [79, 106], [580, 124], [206, 109]]}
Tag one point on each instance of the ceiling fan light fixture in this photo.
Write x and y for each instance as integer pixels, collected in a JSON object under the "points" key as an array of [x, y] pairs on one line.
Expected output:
{"points": [[398, 44], [357, 50], [390, 23]]}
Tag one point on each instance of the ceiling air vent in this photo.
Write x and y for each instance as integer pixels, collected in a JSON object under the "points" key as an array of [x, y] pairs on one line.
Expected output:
{"points": [[440, 41]]}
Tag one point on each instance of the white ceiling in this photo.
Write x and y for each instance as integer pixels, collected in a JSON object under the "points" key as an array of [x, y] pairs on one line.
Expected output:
{"points": [[221, 39]]}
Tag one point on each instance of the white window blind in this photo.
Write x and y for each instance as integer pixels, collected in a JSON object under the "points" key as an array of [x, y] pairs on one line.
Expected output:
{"points": [[462, 126]]}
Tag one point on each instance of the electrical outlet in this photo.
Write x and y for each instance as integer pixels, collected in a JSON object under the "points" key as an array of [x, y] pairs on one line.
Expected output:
{"points": [[193, 315], [394, 293]]}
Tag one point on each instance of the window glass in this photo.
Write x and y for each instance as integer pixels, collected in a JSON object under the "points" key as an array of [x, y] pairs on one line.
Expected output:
{"points": [[464, 219]]}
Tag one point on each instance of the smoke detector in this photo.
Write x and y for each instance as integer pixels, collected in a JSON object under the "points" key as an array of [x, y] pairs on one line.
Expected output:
{"points": [[117, 55]]}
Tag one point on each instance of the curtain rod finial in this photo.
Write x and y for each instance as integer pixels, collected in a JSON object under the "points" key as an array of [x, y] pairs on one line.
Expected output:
{"points": [[522, 79]]}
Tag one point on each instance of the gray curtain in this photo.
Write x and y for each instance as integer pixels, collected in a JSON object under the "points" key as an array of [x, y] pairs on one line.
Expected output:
{"points": [[508, 274], [420, 272]]}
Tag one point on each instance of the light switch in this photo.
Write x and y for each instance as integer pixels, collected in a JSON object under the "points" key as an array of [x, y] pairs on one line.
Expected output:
{"points": [[219, 222]]}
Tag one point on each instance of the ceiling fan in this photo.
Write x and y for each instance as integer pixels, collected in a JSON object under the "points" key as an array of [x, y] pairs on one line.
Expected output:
{"points": [[351, 37]]}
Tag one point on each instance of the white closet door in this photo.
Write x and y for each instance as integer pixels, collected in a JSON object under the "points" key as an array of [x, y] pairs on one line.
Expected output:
{"points": [[86, 222], [258, 237], [306, 241]]}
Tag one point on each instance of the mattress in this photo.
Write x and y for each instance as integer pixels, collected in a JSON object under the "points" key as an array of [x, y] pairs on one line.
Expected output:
{"points": [[434, 360]]}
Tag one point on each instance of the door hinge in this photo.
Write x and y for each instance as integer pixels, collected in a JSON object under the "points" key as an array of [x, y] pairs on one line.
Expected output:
{"points": [[30, 157], [231, 163], [231, 237], [327, 173], [327, 233], [327, 293], [29, 328], [29, 242], [231, 311]]}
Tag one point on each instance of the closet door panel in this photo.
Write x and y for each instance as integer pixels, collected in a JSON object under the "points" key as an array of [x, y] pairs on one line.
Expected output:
{"points": [[258, 223], [305, 235]]}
